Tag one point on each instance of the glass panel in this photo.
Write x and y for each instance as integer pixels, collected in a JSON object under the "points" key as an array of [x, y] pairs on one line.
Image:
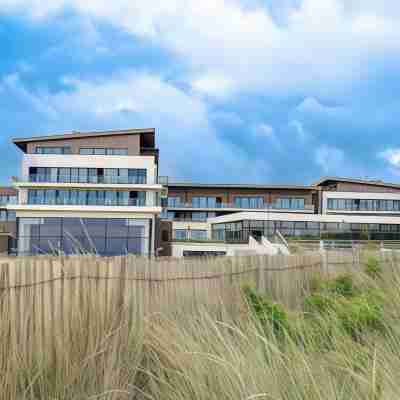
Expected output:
{"points": [[86, 152], [99, 152], [117, 228]]}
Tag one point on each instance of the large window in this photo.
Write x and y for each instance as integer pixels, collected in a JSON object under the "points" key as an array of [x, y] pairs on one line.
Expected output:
{"points": [[53, 150], [86, 197], [249, 202], [364, 205], [204, 202], [290, 203], [88, 175], [103, 151], [174, 201], [106, 237]]}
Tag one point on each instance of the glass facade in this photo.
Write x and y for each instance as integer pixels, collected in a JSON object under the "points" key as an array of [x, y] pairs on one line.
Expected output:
{"points": [[103, 152], [105, 237], [363, 205], [241, 231], [53, 150], [88, 175], [86, 197]]}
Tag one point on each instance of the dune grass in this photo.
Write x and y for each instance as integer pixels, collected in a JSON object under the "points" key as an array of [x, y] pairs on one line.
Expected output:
{"points": [[342, 343]]}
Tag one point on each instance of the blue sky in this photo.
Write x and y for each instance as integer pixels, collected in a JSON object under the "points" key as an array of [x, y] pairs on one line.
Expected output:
{"points": [[239, 90]]}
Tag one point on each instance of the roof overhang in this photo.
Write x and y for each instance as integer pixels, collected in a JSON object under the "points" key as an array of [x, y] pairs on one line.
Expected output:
{"points": [[23, 142]]}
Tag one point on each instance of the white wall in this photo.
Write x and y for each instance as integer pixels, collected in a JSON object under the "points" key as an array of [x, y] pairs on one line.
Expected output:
{"points": [[357, 195]]}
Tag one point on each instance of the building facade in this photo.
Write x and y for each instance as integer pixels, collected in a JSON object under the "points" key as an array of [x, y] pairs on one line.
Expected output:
{"points": [[100, 192], [94, 192]]}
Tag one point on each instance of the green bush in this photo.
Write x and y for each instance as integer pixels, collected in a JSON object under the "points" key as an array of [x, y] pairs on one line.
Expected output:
{"points": [[361, 314], [343, 285], [373, 268], [267, 312], [319, 303]]}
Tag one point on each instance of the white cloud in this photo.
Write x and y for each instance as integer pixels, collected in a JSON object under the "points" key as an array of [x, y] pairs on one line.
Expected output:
{"points": [[392, 156], [301, 133], [188, 141], [228, 46], [330, 159]]}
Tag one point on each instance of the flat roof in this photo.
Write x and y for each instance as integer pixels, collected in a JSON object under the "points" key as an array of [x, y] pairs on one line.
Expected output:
{"points": [[21, 142], [236, 186], [356, 180]]}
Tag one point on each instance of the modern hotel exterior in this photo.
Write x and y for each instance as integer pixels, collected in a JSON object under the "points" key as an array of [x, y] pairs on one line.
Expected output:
{"points": [[88, 192], [101, 192]]}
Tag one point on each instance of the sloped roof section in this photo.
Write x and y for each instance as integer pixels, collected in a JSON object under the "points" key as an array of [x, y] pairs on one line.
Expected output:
{"points": [[22, 142], [327, 179]]}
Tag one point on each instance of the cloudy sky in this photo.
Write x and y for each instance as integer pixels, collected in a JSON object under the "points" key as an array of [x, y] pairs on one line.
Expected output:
{"points": [[257, 91]]}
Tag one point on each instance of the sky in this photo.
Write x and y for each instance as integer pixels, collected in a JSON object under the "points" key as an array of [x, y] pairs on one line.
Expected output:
{"points": [[239, 91]]}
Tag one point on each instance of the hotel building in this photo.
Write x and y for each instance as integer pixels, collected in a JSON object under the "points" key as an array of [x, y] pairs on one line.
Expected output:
{"points": [[88, 192], [101, 192]]}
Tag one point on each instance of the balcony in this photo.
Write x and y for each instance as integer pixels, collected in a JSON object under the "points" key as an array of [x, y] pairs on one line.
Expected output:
{"points": [[308, 208], [108, 180]]}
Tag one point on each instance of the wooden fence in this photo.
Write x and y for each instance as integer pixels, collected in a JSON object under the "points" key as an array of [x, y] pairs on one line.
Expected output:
{"points": [[42, 298]]}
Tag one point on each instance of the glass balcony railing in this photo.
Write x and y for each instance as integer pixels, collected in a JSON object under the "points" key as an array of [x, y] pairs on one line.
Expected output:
{"points": [[307, 207], [113, 180]]}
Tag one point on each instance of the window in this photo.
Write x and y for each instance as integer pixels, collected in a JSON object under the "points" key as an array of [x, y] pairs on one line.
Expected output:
{"points": [[204, 202], [249, 202], [180, 234], [108, 237], [174, 201], [7, 199], [198, 234], [199, 216], [53, 150], [290, 203], [85, 151]]}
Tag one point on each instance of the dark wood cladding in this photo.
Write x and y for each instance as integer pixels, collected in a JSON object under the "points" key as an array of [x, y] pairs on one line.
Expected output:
{"points": [[130, 142], [227, 195]]}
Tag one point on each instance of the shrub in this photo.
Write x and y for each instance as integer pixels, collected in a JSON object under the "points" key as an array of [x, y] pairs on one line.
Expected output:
{"points": [[361, 314], [267, 312], [373, 268], [319, 303], [342, 285]]}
